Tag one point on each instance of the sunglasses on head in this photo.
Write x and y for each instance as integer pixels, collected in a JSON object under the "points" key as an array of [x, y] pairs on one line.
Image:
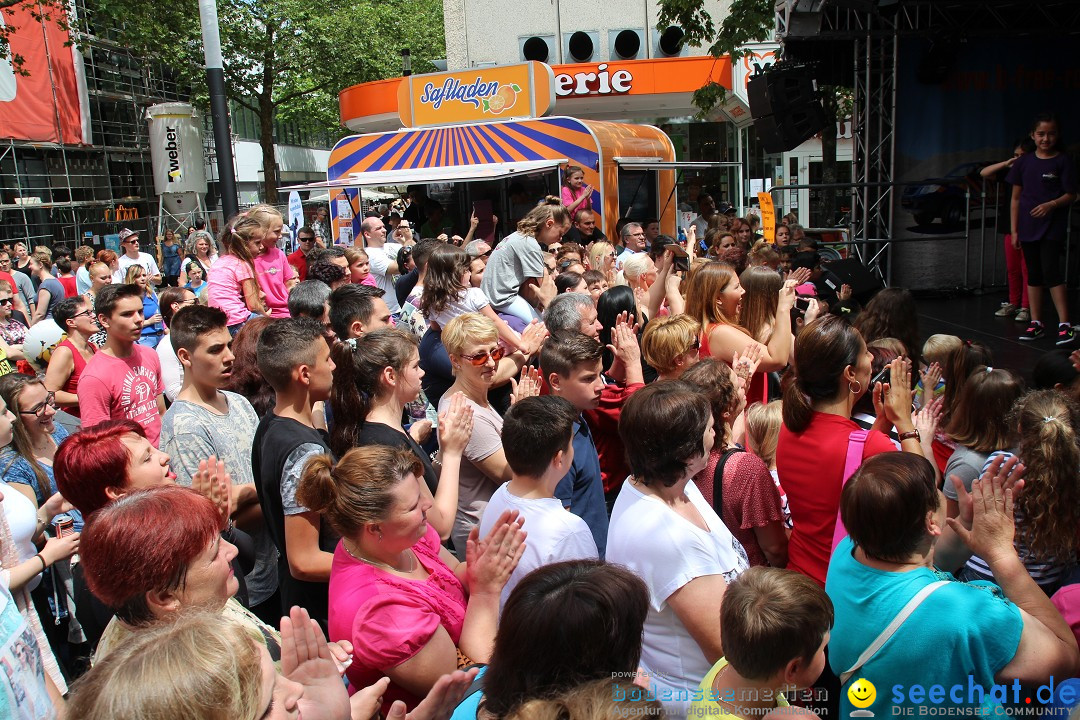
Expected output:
{"points": [[482, 358]]}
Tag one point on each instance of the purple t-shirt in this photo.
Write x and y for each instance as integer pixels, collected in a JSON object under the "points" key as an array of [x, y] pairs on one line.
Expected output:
{"points": [[272, 271], [1042, 180]]}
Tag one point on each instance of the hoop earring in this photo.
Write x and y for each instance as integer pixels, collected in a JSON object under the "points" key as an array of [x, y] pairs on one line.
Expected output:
{"points": [[854, 392]]}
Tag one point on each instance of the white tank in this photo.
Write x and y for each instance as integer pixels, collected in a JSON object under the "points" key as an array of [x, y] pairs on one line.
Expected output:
{"points": [[176, 148]]}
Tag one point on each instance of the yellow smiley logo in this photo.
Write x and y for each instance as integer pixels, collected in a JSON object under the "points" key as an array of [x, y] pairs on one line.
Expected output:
{"points": [[862, 693]]}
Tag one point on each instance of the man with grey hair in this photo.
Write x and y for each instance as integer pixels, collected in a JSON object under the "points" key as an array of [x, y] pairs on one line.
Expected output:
{"points": [[311, 298], [633, 241], [572, 311]]}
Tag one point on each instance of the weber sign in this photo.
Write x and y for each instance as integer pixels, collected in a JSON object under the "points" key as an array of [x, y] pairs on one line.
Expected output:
{"points": [[176, 149]]}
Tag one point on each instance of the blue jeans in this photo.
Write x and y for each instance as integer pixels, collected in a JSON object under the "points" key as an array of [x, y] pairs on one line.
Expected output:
{"points": [[520, 308]]}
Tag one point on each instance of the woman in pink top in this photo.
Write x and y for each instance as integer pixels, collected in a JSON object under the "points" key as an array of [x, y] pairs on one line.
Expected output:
{"points": [[232, 286], [408, 607], [576, 195]]}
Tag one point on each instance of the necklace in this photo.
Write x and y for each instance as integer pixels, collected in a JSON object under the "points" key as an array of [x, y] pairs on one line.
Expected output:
{"points": [[376, 563]]}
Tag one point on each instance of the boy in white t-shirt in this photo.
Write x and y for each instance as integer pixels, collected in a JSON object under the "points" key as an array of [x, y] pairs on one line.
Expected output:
{"points": [[537, 439]]}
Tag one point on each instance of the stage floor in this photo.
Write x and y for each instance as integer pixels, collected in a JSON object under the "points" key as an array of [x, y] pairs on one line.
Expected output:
{"points": [[971, 317]]}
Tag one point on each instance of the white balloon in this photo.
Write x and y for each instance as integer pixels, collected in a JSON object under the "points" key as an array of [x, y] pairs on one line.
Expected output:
{"points": [[40, 341]]}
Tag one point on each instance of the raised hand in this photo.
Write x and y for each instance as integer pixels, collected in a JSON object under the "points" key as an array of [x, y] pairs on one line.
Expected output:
{"points": [[532, 338], [1009, 471], [212, 481], [455, 425], [491, 561], [306, 659], [527, 386], [800, 276], [993, 524], [441, 701]]}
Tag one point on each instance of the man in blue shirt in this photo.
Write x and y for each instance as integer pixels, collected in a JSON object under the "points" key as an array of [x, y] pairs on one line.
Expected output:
{"points": [[572, 364]]}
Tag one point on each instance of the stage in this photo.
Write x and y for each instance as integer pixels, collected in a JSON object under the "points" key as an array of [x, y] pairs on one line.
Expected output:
{"points": [[971, 317]]}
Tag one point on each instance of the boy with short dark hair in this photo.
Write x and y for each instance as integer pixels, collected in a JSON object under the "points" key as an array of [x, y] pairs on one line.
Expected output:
{"points": [[206, 421], [775, 624], [123, 379], [357, 309], [572, 366], [295, 359], [537, 437]]}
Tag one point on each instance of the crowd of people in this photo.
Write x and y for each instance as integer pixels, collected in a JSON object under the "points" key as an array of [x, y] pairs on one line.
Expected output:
{"points": [[565, 476]]}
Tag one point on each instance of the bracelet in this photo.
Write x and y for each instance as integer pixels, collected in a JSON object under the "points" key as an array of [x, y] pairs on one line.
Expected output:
{"points": [[908, 435], [44, 566]]}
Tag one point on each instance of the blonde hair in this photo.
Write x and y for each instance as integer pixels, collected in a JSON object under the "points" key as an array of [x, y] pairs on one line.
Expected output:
{"points": [[763, 430], [938, 347], [244, 227], [133, 272], [667, 338], [98, 267], [357, 489], [550, 208], [598, 252], [889, 344], [759, 304], [596, 700], [200, 666], [468, 327], [763, 253]]}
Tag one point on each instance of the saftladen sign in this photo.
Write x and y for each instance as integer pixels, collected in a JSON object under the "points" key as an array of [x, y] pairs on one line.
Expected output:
{"points": [[523, 90]]}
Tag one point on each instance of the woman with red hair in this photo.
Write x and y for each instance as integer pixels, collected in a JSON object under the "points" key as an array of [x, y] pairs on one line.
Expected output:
{"points": [[100, 464], [153, 553]]}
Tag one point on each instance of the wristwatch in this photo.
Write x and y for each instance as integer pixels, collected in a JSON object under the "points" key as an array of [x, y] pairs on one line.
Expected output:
{"points": [[908, 435]]}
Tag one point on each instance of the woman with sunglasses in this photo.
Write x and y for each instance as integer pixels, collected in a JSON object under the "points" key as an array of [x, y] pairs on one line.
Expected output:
{"points": [[374, 379], [472, 342]]}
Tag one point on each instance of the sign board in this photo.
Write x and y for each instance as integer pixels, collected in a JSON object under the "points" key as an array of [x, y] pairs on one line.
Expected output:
{"points": [[508, 92], [758, 57], [768, 216], [296, 211]]}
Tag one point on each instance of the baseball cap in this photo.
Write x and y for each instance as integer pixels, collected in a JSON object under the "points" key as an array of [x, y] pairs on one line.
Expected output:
{"points": [[127, 234]]}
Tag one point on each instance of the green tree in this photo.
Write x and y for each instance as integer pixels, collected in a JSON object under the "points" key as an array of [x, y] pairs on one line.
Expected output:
{"points": [[750, 21], [284, 59]]}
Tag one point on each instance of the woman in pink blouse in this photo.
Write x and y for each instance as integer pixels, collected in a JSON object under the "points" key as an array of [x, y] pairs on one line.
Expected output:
{"points": [[408, 607]]}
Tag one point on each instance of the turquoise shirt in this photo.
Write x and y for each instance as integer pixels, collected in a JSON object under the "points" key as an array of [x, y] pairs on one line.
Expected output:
{"points": [[954, 642]]}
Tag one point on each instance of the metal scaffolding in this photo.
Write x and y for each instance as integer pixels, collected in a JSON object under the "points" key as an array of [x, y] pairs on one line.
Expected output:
{"points": [[52, 192]]}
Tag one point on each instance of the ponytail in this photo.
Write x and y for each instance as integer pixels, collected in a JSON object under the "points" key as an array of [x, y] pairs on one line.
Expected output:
{"points": [[550, 208], [796, 409], [357, 380], [317, 490]]}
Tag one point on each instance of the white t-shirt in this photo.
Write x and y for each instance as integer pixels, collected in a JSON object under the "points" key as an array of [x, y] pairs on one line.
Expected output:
{"points": [[667, 551], [144, 259], [471, 300], [555, 535], [172, 372], [21, 516], [380, 259]]}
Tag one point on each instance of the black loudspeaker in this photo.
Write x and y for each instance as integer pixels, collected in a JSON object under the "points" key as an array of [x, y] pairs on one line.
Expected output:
{"points": [[786, 107], [850, 271], [780, 89], [780, 133]]}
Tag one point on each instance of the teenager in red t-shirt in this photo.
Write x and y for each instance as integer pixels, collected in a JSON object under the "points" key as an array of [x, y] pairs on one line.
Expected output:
{"points": [[832, 371]]}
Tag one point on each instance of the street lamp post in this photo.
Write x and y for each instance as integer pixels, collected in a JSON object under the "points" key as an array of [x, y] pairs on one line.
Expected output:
{"points": [[219, 107], [406, 62]]}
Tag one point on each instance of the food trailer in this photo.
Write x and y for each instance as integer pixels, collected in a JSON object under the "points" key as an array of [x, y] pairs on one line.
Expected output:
{"points": [[490, 134]]}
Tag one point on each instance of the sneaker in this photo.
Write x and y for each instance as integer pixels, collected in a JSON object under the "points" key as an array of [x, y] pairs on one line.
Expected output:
{"points": [[1023, 316], [1007, 310], [1065, 335], [1034, 332]]}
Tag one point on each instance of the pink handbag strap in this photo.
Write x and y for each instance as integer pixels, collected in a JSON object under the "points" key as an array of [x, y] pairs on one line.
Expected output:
{"points": [[856, 443]]}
